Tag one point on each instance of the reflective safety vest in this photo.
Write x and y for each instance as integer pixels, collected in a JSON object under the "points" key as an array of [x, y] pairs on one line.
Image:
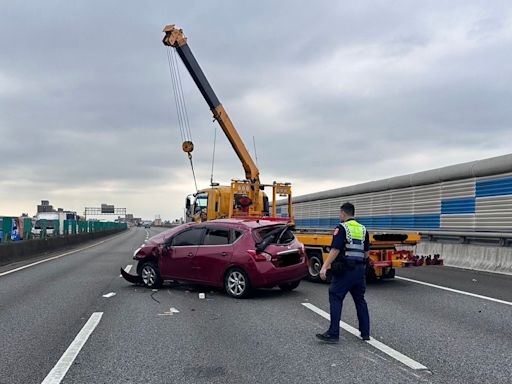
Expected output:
{"points": [[356, 235]]}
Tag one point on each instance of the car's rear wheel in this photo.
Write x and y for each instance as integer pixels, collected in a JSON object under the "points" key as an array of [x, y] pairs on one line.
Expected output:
{"points": [[150, 275], [237, 283], [289, 286]]}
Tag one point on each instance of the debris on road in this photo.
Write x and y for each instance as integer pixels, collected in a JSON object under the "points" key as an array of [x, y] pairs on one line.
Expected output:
{"points": [[134, 279], [170, 312]]}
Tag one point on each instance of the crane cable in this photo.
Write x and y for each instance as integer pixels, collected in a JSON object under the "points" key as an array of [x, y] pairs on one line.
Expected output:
{"points": [[181, 109], [213, 155]]}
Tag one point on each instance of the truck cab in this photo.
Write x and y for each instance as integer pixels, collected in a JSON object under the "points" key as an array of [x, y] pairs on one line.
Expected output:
{"points": [[220, 202]]}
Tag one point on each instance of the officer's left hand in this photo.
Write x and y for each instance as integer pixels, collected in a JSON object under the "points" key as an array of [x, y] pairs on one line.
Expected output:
{"points": [[323, 272]]}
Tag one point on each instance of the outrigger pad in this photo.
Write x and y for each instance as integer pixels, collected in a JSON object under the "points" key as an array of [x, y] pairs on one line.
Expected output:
{"points": [[134, 279]]}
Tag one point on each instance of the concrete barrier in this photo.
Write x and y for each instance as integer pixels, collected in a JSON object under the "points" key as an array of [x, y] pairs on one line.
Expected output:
{"points": [[12, 252], [490, 258]]}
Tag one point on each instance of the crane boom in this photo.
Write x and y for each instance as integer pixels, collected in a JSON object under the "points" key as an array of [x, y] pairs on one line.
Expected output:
{"points": [[174, 37]]}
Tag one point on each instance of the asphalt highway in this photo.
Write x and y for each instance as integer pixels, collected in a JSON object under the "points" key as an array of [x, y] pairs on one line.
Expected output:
{"points": [[74, 320]]}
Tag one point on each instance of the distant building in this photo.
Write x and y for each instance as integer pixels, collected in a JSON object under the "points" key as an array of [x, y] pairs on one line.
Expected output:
{"points": [[45, 207]]}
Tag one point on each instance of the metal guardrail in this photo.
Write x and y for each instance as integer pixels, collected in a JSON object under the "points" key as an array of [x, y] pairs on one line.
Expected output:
{"points": [[502, 239]]}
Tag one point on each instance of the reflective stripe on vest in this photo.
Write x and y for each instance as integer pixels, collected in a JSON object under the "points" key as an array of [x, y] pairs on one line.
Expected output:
{"points": [[355, 237]]}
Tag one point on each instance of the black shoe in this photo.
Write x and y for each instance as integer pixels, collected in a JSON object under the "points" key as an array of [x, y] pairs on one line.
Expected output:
{"points": [[328, 338], [365, 338]]}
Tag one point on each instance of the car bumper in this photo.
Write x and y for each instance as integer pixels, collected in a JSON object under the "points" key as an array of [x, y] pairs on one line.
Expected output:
{"points": [[266, 274]]}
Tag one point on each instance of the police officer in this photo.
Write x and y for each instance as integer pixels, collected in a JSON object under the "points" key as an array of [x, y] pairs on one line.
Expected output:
{"points": [[347, 265]]}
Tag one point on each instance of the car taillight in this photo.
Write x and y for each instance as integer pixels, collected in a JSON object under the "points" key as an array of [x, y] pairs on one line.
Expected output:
{"points": [[259, 256]]}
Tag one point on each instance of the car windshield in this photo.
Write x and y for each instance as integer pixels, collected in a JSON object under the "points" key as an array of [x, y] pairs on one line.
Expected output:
{"points": [[201, 201]]}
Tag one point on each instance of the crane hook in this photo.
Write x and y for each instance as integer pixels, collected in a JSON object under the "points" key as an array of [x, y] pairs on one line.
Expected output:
{"points": [[187, 146]]}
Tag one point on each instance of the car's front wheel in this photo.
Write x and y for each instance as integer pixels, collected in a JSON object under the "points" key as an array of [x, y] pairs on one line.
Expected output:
{"points": [[150, 275], [237, 283], [289, 286]]}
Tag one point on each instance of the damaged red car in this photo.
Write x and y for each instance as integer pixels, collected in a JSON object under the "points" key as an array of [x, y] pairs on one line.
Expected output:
{"points": [[238, 255]]}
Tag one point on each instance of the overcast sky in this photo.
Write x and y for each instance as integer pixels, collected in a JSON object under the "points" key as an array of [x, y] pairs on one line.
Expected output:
{"points": [[334, 92]]}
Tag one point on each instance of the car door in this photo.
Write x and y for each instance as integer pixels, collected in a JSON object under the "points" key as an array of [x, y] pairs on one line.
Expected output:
{"points": [[213, 255], [176, 260]]}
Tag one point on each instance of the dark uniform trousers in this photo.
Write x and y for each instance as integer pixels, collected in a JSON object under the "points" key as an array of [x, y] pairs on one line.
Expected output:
{"points": [[353, 281]]}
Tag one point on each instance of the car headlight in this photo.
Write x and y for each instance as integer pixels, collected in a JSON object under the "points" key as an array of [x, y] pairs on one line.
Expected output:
{"points": [[136, 251]]}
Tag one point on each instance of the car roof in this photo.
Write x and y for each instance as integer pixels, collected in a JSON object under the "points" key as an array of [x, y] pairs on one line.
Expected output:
{"points": [[234, 222], [242, 222]]}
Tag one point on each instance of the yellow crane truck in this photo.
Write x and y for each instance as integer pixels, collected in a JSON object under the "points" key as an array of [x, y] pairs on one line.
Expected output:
{"points": [[384, 253], [243, 198], [246, 197]]}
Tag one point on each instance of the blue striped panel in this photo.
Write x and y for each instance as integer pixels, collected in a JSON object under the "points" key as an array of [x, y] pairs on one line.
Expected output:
{"points": [[402, 221], [427, 221], [496, 187], [457, 206], [381, 222], [413, 222], [366, 221], [300, 223]]}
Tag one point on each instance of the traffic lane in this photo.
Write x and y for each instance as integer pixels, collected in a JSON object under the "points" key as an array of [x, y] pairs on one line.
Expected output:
{"points": [[268, 338], [153, 231], [47, 255], [43, 307], [450, 333], [494, 285]]}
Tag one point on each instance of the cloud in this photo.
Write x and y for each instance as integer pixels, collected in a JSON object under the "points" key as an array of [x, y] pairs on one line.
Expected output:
{"points": [[334, 94]]}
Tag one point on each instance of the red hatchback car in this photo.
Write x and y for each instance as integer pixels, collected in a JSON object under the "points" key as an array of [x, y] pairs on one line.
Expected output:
{"points": [[235, 254]]}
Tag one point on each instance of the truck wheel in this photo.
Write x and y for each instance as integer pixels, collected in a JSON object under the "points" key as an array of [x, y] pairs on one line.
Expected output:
{"points": [[314, 265], [390, 274], [150, 276], [371, 276]]}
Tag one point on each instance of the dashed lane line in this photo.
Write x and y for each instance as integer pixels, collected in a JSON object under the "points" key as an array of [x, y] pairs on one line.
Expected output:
{"points": [[455, 290], [375, 343], [61, 368]]}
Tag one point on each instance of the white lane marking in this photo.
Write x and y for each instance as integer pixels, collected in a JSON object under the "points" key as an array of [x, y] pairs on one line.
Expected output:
{"points": [[375, 343], [55, 257], [61, 368], [455, 290], [110, 294], [127, 269]]}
